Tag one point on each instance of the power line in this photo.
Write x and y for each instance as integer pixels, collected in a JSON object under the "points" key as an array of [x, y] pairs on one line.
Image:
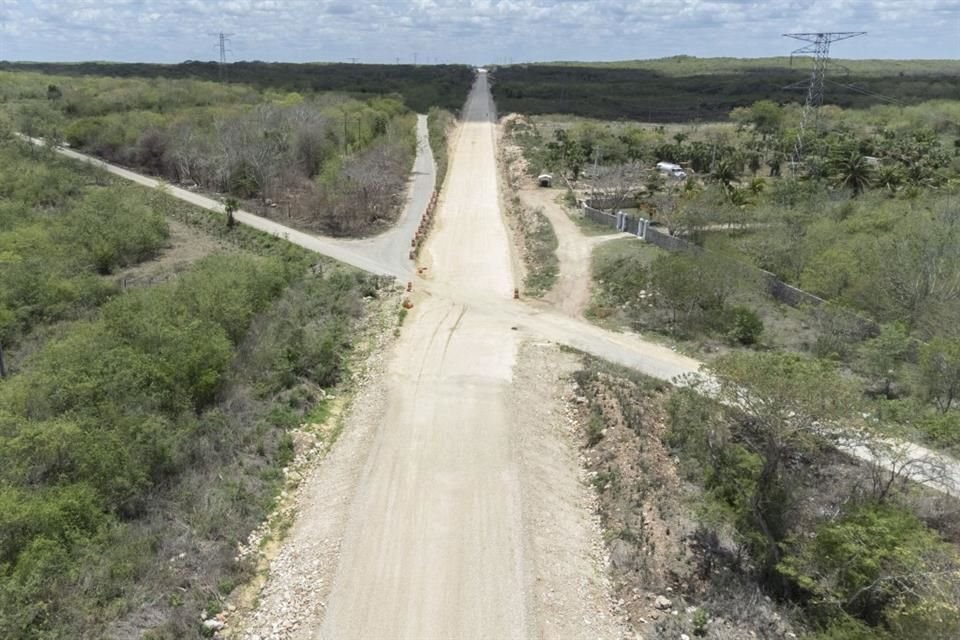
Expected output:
{"points": [[867, 92], [818, 44], [222, 40]]}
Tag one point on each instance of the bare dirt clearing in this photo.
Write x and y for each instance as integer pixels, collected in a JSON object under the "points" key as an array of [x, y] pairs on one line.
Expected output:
{"points": [[185, 247]]}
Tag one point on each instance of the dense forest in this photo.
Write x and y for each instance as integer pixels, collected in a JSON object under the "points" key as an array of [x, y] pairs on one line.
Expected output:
{"points": [[143, 429], [687, 89], [420, 87], [320, 161]]}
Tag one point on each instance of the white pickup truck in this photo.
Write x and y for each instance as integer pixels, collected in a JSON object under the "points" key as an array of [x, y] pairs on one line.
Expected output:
{"points": [[671, 169]]}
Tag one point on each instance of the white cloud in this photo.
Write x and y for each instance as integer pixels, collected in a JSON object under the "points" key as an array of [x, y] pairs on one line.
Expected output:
{"points": [[465, 30]]}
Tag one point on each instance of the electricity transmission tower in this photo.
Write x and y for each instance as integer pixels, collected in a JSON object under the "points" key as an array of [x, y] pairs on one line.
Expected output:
{"points": [[222, 40], [818, 44]]}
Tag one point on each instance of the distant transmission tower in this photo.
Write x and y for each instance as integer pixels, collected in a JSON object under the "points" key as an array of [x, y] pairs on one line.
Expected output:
{"points": [[819, 46], [222, 40]]}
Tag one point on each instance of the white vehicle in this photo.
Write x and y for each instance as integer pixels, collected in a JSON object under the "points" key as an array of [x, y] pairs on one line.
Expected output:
{"points": [[671, 169]]}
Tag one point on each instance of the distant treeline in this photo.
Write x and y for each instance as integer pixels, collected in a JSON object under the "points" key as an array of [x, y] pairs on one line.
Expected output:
{"points": [[701, 92], [422, 87]]}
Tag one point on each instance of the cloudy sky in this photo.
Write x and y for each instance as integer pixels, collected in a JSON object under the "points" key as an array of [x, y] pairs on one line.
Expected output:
{"points": [[473, 31]]}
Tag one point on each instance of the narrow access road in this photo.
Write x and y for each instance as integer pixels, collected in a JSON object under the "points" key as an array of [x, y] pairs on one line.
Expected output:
{"points": [[434, 543], [571, 293]]}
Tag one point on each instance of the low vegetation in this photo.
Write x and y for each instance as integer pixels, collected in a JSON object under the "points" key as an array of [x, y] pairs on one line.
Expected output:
{"points": [[440, 123], [867, 222], [142, 440], [748, 520], [62, 229], [539, 249], [321, 161]]}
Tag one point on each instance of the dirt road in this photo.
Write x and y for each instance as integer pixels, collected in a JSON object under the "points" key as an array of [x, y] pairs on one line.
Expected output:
{"points": [[434, 545], [571, 293]]}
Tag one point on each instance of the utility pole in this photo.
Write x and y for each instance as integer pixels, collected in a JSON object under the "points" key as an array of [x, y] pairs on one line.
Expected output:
{"points": [[818, 44], [222, 40]]}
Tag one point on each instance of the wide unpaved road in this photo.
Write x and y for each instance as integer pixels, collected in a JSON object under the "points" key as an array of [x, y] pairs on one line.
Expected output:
{"points": [[434, 547]]}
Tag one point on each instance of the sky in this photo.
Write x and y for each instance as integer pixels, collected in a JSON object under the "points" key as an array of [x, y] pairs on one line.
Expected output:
{"points": [[465, 31]]}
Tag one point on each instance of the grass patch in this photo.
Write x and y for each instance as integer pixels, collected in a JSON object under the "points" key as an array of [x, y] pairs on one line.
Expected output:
{"points": [[439, 124], [539, 249], [589, 227], [619, 269], [320, 412], [542, 264]]}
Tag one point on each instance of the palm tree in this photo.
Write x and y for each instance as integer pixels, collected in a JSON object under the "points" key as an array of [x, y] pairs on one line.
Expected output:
{"points": [[725, 172], [853, 170], [757, 186], [890, 178], [229, 207]]}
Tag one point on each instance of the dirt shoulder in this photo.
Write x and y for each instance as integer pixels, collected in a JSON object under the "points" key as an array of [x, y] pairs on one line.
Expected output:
{"points": [[298, 548], [666, 583], [567, 565]]}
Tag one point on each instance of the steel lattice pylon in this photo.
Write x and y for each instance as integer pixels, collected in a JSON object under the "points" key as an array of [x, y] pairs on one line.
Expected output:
{"points": [[819, 46]]}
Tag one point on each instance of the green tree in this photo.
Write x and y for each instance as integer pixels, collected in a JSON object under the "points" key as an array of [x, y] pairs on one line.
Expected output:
{"points": [[694, 285], [883, 356], [940, 372], [742, 325], [725, 173], [784, 397], [6, 126], [880, 564], [852, 171], [889, 178], [766, 117], [230, 207], [7, 323]]}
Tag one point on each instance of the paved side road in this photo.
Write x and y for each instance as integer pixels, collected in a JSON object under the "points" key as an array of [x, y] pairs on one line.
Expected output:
{"points": [[386, 254], [392, 248]]}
